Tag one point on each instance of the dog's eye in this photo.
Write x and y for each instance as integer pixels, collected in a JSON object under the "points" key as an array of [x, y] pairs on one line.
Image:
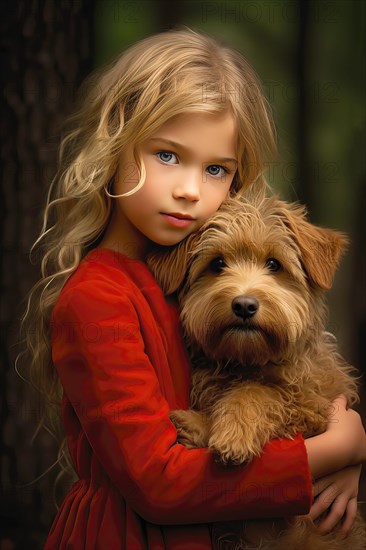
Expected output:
{"points": [[273, 265], [217, 265]]}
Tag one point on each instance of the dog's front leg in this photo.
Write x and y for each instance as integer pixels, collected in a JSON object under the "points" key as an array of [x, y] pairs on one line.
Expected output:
{"points": [[244, 420], [192, 427]]}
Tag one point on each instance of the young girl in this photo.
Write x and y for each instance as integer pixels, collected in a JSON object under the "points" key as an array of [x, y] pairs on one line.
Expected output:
{"points": [[165, 133]]}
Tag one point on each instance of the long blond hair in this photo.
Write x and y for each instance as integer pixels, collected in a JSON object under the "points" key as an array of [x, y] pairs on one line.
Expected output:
{"points": [[163, 76]]}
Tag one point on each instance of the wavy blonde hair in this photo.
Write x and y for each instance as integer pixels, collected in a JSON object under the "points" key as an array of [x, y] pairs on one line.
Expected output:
{"points": [[163, 76]]}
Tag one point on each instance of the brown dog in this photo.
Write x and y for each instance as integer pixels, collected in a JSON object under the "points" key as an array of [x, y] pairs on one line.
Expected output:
{"points": [[250, 284]]}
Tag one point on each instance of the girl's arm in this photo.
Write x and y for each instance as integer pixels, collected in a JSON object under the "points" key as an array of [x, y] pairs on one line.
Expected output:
{"points": [[343, 443], [110, 382], [99, 353]]}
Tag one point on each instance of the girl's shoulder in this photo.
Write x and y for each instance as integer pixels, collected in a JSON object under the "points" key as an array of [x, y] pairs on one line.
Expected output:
{"points": [[110, 289], [111, 272]]}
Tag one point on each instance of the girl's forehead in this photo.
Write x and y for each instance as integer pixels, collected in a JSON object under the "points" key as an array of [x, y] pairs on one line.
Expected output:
{"points": [[214, 133]]}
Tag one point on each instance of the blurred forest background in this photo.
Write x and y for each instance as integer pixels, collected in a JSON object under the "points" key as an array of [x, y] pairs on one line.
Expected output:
{"points": [[310, 57]]}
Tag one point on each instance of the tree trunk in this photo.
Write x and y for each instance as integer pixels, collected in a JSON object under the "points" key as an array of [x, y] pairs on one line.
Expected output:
{"points": [[48, 53]]}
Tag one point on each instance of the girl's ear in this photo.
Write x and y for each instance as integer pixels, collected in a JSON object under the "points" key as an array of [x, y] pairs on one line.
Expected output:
{"points": [[321, 249], [169, 265]]}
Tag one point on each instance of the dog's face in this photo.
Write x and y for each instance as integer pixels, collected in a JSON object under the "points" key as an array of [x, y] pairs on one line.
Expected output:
{"points": [[248, 281]]}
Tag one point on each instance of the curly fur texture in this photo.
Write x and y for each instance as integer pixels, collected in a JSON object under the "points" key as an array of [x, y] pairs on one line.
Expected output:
{"points": [[250, 285]]}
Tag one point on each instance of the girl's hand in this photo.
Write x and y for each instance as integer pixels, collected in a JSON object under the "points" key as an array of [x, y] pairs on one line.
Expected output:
{"points": [[336, 493]]}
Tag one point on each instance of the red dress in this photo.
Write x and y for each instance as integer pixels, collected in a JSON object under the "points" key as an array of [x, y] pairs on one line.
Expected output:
{"points": [[118, 350]]}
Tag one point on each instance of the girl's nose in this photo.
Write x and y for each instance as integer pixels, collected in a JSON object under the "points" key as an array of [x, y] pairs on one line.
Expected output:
{"points": [[188, 187]]}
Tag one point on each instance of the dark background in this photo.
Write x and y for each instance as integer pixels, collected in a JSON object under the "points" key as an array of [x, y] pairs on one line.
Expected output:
{"points": [[310, 57]]}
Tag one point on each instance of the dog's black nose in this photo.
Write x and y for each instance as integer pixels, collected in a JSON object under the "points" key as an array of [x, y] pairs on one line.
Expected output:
{"points": [[245, 306]]}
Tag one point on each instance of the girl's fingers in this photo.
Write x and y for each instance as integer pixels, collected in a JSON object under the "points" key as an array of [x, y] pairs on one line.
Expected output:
{"points": [[316, 510], [334, 516], [349, 517], [322, 502], [321, 484]]}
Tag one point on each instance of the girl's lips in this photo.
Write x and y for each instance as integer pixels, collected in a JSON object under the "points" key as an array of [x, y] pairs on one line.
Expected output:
{"points": [[177, 222]]}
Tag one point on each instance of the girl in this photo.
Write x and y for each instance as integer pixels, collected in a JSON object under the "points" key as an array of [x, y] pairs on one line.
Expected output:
{"points": [[176, 124]]}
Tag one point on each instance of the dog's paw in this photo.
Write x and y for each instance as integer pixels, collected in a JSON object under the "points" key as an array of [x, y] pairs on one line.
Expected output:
{"points": [[235, 442], [230, 452], [192, 428]]}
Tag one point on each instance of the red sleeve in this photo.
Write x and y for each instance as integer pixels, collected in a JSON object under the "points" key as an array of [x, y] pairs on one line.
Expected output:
{"points": [[114, 390]]}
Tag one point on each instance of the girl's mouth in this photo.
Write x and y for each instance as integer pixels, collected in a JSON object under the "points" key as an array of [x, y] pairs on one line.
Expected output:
{"points": [[178, 220]]}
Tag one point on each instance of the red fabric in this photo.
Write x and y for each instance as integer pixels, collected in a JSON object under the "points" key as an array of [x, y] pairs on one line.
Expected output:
{"points": [[118, 350]]}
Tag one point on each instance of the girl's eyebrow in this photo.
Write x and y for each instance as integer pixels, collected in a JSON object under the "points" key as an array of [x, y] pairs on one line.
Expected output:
{"points": [[186, 149]]}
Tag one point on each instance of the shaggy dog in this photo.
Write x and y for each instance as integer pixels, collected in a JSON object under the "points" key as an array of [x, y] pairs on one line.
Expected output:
{"points": [[250, 284]]}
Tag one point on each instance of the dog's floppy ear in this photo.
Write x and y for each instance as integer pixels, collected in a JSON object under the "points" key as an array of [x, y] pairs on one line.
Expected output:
{"points": [[321, 249], [169, 265]]}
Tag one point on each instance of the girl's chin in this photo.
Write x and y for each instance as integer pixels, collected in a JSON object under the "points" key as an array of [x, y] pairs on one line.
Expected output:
{"points": [[169, 240]]}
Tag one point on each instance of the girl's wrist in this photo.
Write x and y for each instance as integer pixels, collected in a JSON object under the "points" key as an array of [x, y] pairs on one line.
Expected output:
{"points": [[326, 454]]}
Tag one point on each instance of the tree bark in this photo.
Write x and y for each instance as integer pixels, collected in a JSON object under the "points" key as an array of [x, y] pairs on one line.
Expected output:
{"points": [[47, 45]]}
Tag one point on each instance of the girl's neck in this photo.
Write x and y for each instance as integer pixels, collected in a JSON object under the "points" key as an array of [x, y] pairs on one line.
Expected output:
{"points": [[121, 236]]}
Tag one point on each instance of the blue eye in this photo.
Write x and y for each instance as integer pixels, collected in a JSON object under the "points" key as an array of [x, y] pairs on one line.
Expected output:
{"points": [[217, 171], [167, 157]]}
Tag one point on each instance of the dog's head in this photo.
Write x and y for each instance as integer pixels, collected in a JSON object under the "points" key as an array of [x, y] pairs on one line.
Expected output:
{"points": [[249, 280]]}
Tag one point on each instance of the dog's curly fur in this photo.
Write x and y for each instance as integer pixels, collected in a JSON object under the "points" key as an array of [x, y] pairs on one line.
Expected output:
{"points": [[250, 283]]}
